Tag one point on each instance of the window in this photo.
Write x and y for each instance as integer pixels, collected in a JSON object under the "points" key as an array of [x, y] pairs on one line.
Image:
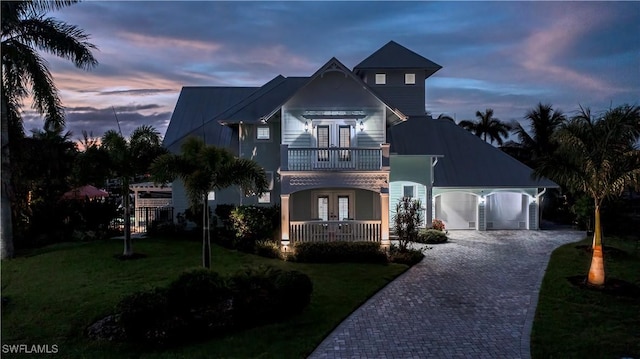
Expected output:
{"points": [[409, 191], [409, 79], [262, 133], [265, 198], [381, 79]]}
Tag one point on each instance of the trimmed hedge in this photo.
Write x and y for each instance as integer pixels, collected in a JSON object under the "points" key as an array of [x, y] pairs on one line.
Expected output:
{"points": [[336, 252], [409, 257], [431, 236]]}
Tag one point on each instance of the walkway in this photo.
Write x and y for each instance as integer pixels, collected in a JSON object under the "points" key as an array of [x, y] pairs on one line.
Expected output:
{"points": [[473, 297]]}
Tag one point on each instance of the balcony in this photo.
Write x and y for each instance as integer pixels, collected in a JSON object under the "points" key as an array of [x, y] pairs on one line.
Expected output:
{"points": [[334, 158]]}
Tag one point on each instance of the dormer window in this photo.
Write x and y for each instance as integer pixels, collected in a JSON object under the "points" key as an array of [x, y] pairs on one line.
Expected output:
{"points": [[410, 79], [381, 79]]}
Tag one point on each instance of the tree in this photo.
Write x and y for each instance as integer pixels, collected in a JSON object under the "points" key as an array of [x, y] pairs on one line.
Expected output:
{"points": [[599, 156], [543, 121], [129, 158], [407, 220], [25, 31], [203, 169], [487, 125]]}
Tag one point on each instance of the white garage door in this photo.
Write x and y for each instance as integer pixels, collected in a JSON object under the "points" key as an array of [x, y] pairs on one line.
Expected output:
{"points": [[507, 210], [457, 210]]}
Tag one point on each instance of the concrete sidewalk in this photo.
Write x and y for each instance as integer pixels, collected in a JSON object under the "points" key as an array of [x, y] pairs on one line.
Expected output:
{"points": [[473, 297]]}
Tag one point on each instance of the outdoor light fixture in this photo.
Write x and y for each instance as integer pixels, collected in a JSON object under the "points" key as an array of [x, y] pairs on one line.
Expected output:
{"points": [[482, 199], [361, 126], [306, 126]]}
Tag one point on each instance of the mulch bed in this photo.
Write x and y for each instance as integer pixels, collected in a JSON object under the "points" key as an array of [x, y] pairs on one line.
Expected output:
{"points": [[612, 286]]}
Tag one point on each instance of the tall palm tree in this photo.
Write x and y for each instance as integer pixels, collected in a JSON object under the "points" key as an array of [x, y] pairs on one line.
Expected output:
{"points": [[487, 125], [25, 31], [130, 158], [537, 142], [601, 157], [203, 169]]}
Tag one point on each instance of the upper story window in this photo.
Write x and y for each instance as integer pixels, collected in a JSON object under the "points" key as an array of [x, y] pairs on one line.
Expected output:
{"points": [[263, 133], [381, 79], [410, 79]]}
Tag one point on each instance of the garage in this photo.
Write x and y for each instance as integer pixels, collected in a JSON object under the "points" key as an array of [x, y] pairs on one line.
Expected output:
{"points": [[458, 210], [507, 210]]}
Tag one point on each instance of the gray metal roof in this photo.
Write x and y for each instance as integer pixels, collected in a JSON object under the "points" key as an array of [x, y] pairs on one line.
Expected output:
{"points": [[197, 106], [395, 56], [262, 102], [467, 160]]}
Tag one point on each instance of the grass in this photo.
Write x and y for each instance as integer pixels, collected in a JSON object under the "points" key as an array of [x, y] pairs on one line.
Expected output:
{"points": [[57, 292], [573, 322]]}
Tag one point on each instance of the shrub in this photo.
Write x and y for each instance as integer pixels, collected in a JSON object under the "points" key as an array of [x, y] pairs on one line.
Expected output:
{"points": [[407, 221], [431, 236], [196, 289], [141, 312], [269, 249], [255, 300], [294, 292], [334, 252], [252, 223], [408, 256], [437, 224], [223, 212]]}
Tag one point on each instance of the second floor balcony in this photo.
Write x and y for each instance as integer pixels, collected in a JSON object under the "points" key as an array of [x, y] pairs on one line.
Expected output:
{"points": [[334, 158]]}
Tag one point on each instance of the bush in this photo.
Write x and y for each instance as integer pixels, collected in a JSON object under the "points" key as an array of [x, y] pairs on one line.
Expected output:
{"points": [[408, 256], [255, 298], [294, 292], [269, 249], [406, 220], [437, 224], [335, 252], [197, 288], [223, 212], [252, 223], [431, 236], [142, 312]]}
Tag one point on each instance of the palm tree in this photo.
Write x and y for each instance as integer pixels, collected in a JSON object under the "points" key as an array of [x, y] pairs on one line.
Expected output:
{"points": [[203, 169], [599, 156], [487, 125], [25, 31], [537, 142], [128, 159]]}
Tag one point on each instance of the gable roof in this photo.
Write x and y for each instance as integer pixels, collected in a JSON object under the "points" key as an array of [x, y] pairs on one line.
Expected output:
{"points": [[197, 106], [260, 104], [467, 160], [395, 56]]}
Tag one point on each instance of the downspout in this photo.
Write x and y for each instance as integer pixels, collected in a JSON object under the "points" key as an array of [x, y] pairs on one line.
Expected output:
{"points": [[538, 200]]}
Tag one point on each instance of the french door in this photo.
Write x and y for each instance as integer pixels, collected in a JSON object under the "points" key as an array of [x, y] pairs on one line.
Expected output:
{"points": [[334, 135], [334, 206]]}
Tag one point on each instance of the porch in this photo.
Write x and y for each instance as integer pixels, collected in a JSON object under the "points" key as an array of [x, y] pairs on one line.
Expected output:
{"points": [[329, 231]]}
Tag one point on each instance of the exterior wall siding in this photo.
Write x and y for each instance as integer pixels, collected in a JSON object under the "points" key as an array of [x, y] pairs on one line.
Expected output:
{"points": [[410, 99], [396, 192]]}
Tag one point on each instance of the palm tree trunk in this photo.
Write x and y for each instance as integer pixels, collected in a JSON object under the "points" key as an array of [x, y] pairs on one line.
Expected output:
{"points": [[6, 222], [128, 248], [206, 244], [596, 270]]}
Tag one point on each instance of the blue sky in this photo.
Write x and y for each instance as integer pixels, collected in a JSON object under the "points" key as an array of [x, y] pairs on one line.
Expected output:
{"points": [[502, 55]]}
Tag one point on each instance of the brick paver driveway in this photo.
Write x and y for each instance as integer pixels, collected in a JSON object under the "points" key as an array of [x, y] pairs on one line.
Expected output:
{"points": [[473, 297]]}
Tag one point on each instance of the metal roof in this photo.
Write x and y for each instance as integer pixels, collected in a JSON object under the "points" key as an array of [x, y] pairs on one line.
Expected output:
{"points": [[395, 56], [467, 160]]}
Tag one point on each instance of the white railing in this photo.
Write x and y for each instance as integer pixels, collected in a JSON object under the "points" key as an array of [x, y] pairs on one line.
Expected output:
{"points": [[333, 158], [326, 231]]}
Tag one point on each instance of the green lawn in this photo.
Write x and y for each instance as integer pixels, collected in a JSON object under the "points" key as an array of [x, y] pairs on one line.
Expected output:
{"points": [[56, 292], [579, 323]]}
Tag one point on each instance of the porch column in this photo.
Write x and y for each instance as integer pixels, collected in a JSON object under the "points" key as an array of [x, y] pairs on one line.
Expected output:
{"points": [[284, 219], [482, 215], [384, 217]]}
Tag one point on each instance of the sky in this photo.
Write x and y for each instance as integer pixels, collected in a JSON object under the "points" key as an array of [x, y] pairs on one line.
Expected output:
{"points": [[508, 56]]}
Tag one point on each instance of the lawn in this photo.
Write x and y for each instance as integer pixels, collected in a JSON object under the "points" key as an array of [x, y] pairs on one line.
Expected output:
{"points": [[56, 292], [572, 322]]}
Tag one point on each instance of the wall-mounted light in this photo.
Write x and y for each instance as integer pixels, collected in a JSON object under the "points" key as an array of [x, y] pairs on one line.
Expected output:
{"points": [[361, 126], [306, 126], [482, 199]]}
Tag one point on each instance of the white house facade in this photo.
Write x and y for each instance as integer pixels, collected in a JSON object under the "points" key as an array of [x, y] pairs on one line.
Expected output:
{"points": [[342, 146]]}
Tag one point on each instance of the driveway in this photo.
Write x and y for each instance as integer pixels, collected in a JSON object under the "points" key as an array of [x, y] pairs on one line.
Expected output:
{"points": [[473, 297]]}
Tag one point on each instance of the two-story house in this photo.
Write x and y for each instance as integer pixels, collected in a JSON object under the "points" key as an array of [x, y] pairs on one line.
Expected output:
{"points": [[342, 146]]}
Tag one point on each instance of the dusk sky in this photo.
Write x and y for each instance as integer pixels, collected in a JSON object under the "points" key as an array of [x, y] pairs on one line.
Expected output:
{"points": [[502, 55]]}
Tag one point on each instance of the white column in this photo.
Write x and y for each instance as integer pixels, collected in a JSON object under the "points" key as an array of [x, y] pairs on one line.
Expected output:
{"points": [[284, 219], [384, 218]]}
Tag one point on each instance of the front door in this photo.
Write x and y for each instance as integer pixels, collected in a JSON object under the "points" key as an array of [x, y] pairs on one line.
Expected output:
{"points": [[334, 206]]}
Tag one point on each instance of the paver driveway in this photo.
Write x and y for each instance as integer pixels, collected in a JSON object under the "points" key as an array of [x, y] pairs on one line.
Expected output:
{"points": [[473, 297]]}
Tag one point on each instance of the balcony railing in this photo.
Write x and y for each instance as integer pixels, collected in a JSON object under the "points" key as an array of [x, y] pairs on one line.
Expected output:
{"points": [[332, 159], [326, 231]]}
